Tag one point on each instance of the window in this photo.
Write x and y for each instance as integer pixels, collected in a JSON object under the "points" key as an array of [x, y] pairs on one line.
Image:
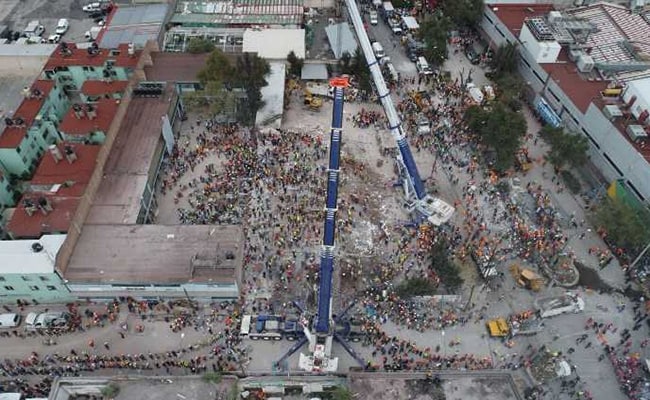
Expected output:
{"points": [[44, 135], [591, 139], [50, 287], [2, 279], [612, 164], [537, 76], [44, 278], [26, 278], [34, 288], [488, 18], [115, 53], [499, 30], [10, 288], [555, 96], [18, 150]]}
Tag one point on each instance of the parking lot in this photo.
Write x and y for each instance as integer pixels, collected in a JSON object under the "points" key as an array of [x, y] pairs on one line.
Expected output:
{"points": [[17, 14]]}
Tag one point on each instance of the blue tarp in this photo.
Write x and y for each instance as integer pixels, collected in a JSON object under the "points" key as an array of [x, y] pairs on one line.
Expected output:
{"points": [[547, 113]]}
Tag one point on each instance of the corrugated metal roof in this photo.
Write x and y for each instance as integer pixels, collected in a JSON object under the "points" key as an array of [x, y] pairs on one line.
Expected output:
{"points": [[240, 12], [347, 43], [149, 14], [314, 72]]}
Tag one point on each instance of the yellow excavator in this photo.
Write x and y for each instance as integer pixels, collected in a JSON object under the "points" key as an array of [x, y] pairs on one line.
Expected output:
{"points": [[312, 102], [527, 278]]}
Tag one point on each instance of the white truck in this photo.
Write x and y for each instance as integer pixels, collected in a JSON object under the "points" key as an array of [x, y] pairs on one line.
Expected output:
{"points": [[475, 93], [93, 33], [33, 29]]}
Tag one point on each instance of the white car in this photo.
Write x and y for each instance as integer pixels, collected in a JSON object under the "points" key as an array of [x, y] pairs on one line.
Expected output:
{"points": [[54, 39], [92, 7], [62, 26], [45, 320], [9, 320]]}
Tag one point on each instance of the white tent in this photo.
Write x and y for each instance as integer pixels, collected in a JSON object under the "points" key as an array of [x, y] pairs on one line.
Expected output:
{"points": [[411, 23]]}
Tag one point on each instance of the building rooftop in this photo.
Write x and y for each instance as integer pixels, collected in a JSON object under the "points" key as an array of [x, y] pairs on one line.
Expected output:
{"points": [[513, 15], [175, 67], [131, 159], [68, 178], [19, 255], [100, 88], [580, 90], [135, 25], [615, 25], [27, 111], [161, 254], [83, 125], [274, 43], [138, 387], [240, 12], [22, 225], [81, 57]]}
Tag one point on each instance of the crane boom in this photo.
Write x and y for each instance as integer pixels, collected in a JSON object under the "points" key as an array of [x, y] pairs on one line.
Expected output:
{"points": [[323, 317], [433, 209]]}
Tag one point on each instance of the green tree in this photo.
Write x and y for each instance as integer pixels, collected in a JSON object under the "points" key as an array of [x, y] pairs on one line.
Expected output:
{"points": [[110, 391], [360, 70], [345, 64], [216, 78], [415, 287], [500, 129], [627, 227], [464, 13], [505, 61], [199, 45], [342, 393], [250, 74], [444, 267], [434, 32], [295, 64], [566, 148]]}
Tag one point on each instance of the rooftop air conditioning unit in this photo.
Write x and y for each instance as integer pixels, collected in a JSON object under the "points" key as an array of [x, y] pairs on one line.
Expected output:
{"points": [[636, 132], [585, 63]]}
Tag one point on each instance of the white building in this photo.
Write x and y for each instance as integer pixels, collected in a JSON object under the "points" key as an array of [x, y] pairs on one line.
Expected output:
{"points": [[601, 47]]}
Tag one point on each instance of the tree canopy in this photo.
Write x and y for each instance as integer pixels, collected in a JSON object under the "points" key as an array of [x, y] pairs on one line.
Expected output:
{"points": [[434, 32], [627, 227], [355, 64], [444, 266], [566, 148], [199, 45], [219, 77], [505, 60], [500, 129], [295, 64], [464, 13]]}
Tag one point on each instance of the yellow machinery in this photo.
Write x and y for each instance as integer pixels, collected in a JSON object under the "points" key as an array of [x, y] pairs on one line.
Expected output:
{"points": [[312, 102], [522, 161], [527, 278], [498, 327]]}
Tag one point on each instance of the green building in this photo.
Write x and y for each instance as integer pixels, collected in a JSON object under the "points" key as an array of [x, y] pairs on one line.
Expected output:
{"points": [[32, 128], [27, 271]]}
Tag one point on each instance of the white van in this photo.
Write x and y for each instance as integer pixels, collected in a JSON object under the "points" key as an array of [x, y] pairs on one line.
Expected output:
{"points": [[245, 326], [374, 17], [378, 50], [423, 66], [9, 321]]}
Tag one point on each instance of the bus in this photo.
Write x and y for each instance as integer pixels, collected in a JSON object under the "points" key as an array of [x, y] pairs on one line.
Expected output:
{"points": [[245, 326]]}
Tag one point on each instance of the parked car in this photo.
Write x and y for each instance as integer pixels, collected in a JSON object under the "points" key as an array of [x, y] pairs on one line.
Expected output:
{"points": [[472, 56], [54, 39], [10, 320], [92, 7], [46, 320], [62, 26]]}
